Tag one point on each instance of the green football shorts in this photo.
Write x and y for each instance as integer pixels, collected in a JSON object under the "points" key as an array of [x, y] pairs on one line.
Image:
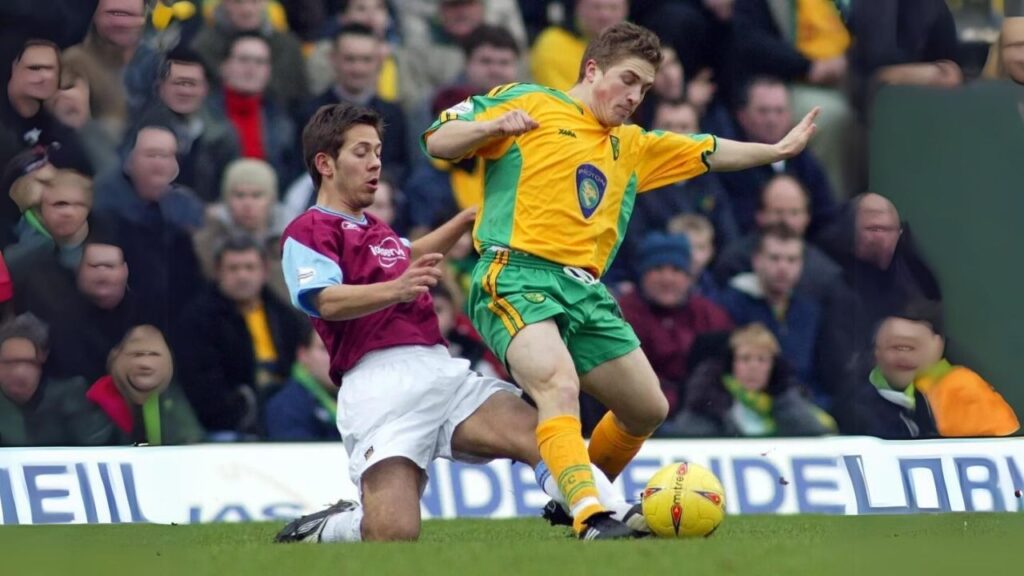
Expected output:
{"points": [[511, 290]]}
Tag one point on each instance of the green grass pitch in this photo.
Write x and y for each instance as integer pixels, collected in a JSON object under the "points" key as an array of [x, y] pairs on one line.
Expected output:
{"points": [[956, 544]]}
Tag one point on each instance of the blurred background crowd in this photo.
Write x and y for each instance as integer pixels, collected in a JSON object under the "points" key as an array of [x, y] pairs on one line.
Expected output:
{"points": [[151, 158]]}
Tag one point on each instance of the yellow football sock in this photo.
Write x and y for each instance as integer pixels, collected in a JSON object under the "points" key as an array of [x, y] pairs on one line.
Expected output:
{"points": [[611, 447], [561, 446]]}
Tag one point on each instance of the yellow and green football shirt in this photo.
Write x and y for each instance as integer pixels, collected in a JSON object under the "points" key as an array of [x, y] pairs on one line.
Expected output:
{"points": [[564, 192]]}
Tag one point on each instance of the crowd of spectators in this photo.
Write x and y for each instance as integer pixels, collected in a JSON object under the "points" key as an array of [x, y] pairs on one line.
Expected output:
{"points": [[151, 158]]}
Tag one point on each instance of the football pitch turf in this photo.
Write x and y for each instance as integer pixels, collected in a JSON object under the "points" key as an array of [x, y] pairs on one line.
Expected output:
{"points": [[960, 544]]}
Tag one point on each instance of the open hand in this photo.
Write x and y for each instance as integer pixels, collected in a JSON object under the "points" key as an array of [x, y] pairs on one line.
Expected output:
{"points": [[797, 139], [419, 278]]}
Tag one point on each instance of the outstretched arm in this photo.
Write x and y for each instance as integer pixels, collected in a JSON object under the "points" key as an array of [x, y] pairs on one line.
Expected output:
{"points": [[732, 155], [457, 138], [446, 235]]}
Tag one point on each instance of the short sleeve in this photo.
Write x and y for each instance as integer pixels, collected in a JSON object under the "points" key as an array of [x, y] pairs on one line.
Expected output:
{"points": [[498, 101], [667, 157], [307, 272]]}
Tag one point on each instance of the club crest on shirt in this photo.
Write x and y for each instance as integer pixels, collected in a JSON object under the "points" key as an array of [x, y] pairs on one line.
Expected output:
{"points": [[389, 252], [590, 187]]}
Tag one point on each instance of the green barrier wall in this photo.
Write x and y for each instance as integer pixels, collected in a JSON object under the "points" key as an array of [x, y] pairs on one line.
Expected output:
{"points": [[953, 162]]}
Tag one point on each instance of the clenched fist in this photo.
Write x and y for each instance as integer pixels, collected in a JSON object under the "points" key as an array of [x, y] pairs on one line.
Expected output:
{"points": [[512, 123]]}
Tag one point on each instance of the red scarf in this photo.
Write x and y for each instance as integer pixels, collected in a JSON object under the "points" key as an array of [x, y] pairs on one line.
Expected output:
{"points": [[246, 113], [104, 393]]}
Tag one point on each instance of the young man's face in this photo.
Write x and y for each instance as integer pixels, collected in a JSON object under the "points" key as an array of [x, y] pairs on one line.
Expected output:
{"points": [[778, 265], [35, 74], [489, 66], [767, 116], [185, 88], [64, 209], [357, 60], [356, 169], [247, 68], [903, 348], [618, 91]]}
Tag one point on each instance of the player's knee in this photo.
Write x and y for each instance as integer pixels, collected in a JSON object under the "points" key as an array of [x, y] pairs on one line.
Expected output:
{"points": [[648, 417], [555, 389], [390, 530]]}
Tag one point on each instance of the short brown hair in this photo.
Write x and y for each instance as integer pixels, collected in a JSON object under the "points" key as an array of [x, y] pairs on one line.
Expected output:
{"points": [[621, 41], [778, 231], [325, 132]]}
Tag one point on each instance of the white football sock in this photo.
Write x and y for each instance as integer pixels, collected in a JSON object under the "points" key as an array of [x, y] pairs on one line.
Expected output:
{"points": [[606, 492], [344, 526]]}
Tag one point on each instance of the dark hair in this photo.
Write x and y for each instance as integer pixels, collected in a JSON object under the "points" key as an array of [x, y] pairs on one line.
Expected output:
{"points": [[621, 41], [488, 35], [184, 56], [743, 98], [238, 243], [33, 42], [239, 36], [779, 232], [29, 327], [325, 132], [924, 311], [352, 29], [761, 204], [154, 121]]}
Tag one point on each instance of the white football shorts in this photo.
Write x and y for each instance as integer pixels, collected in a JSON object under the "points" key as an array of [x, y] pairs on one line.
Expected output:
{"points": [[406, 402]]}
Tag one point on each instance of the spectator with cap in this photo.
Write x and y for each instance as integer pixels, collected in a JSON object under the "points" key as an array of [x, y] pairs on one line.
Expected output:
{"points": [[665, 315], [249, 207], [25, 123], [59, 224]]}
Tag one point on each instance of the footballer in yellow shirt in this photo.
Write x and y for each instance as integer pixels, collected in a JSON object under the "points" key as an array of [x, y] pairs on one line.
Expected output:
{"points": [[561, 175]]}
